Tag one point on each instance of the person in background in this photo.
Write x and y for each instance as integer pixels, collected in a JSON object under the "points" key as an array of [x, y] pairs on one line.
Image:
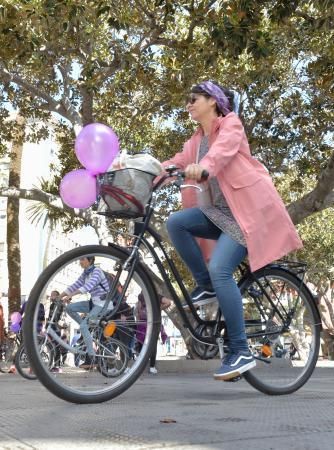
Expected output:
{"points": [[63, 350], [126, 332], [76, 342], [54, 325], [92, 281], [141, 317], [40, 317]]}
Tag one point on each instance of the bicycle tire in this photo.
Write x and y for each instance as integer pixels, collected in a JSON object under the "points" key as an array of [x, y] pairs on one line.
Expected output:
{"points": [[108, 371], [53, 382], [18, 364], [21, 358], [311, 316]]}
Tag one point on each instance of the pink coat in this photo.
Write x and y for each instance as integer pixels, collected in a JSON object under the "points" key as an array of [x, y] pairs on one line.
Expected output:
{"points": [[248, 189]]}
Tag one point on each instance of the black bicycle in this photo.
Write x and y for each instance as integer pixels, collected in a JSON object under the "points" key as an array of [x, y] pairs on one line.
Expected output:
{"points": [[282, 321]]}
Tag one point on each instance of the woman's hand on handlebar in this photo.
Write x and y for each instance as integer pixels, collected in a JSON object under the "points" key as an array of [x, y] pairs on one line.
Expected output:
{"points": [[196, 172]]}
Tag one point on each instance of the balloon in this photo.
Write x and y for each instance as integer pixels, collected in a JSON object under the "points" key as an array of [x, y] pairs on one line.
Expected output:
{"points": [[15, 317], [96, 147], [15, 327], [78, 189]]}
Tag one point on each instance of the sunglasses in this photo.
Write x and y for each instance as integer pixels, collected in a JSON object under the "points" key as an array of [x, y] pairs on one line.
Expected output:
{"points": [[191, 99]]}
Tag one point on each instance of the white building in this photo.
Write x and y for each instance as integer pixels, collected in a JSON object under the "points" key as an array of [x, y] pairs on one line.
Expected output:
{"points": [[38, 245]]}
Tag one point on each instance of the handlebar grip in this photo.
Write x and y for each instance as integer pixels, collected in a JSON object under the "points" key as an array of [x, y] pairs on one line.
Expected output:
{"points": [[205, 175]]}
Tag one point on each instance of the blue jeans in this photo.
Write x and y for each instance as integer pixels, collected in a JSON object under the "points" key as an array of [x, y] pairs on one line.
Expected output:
{"points": [[183, 227], [73, 310]]}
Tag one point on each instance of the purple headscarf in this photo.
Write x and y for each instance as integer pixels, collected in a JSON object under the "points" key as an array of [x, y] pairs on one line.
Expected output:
{"points": [[214, 91]]}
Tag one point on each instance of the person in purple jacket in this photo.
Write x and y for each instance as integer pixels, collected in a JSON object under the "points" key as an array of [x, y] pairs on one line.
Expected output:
{"points": [[94, 282], [40, 317]]}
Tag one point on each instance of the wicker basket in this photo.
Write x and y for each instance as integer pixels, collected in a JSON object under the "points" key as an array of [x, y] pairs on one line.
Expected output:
{"points": [[124, 193]]}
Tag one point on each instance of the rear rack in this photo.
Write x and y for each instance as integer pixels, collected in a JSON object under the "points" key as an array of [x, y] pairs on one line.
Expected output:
{"points": [[297, 267]]}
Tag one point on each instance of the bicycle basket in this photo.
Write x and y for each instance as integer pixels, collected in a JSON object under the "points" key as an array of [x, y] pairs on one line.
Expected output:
{"points": [[124, 193]]}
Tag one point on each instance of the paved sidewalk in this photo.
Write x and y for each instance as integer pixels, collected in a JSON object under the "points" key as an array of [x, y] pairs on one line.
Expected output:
{"points": [[208, 415]]}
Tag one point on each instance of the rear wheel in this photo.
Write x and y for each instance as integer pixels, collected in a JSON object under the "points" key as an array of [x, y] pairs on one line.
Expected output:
{"points": [[283, 327], [83, 379], [114, 359], [204, 351], [23, 365]]}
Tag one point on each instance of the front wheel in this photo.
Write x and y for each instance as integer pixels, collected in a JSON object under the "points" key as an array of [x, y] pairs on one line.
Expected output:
{"points": [[283, 328], [85, 379]]}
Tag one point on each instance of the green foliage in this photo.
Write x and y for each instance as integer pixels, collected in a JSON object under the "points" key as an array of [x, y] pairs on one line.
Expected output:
{"points": [[315, 231], [131, 64]]}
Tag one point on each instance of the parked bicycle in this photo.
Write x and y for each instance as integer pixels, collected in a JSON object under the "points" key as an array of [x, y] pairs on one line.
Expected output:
{"points": [[21, 360], [13, 353], [282, 321], [8, 349]]}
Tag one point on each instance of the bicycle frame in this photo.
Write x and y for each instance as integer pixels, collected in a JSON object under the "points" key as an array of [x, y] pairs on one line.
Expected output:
{"points": [[143, 227], [140, 229]]}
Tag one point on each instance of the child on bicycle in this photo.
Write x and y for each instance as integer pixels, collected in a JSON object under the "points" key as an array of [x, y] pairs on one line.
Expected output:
{"points": [[94, 282], [245, 215]]}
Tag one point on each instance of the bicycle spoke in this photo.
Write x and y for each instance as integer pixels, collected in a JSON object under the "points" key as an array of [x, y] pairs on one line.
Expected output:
{"points": [[283, 332], [84, 377]]}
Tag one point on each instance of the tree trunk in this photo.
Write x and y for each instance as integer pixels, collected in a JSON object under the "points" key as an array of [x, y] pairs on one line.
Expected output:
{"points": [[13, 210], [173, 312]]}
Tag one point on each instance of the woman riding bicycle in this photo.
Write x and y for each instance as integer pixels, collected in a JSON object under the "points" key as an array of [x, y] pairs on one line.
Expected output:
{"points": [[245, 215]]}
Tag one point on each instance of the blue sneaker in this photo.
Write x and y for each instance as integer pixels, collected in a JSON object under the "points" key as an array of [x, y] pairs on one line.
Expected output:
{"points": [[202, 295], [234, 364]]}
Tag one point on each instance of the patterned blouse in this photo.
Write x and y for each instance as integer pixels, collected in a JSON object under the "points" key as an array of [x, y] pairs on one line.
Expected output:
{"points": [[219, 213]]}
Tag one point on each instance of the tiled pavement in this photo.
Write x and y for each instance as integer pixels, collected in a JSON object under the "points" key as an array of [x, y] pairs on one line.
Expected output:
{"points": [[207, 414]]}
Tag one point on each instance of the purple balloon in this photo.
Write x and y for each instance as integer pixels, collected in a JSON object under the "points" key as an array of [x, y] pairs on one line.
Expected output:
{"points": [[15, 317], [96, 146], [78, 189], [15, 327]]}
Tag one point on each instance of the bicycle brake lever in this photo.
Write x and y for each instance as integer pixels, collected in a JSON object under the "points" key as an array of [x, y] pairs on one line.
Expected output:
{"points": [[181, 186]]}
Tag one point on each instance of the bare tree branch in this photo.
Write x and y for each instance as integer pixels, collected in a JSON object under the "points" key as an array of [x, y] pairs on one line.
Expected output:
{"points": [[64, 108], [65, 76], [316, 200], [53, 200]]}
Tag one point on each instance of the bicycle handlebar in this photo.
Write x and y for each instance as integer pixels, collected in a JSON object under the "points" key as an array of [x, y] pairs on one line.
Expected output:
{"points": [[204, 177], [174, 172]]}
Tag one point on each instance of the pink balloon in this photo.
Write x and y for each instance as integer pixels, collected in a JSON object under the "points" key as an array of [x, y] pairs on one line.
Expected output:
{"points": [[78, 189], [15, 317], [96, 147]]}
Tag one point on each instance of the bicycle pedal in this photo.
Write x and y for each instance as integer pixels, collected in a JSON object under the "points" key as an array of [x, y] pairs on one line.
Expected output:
{"points": [[233, 380]]}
